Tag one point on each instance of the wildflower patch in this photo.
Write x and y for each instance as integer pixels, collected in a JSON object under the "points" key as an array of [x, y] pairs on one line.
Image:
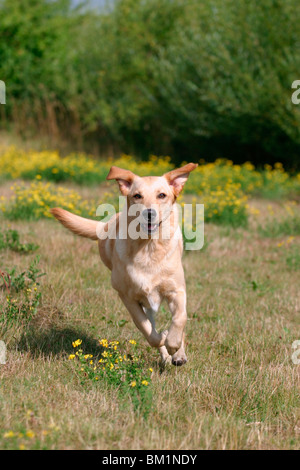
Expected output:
{"points": [[124, 370], [34, 202]]}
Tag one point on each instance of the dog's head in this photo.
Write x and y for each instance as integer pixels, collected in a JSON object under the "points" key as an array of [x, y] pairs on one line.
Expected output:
{"points": [[155, 195]]}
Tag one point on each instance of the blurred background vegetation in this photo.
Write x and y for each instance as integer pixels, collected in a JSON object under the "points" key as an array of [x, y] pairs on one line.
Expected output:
{"points": [[190, 79]]}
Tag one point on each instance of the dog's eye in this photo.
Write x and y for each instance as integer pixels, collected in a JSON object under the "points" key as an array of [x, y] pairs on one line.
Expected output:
{"points": [[162, 196], [137, 196]]}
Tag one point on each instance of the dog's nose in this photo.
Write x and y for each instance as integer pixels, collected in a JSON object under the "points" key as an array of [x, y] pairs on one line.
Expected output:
{"points": [[149, 214]]}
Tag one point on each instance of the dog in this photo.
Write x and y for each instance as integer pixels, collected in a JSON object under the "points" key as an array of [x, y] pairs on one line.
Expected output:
{"points": [[145, 270]]}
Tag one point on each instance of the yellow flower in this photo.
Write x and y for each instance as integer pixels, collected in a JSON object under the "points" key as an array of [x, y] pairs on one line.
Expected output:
{"points": [[71, 356], [30, 434], [9, 434], [77, 343], [144, 382], [133, 384], [132, 341]]}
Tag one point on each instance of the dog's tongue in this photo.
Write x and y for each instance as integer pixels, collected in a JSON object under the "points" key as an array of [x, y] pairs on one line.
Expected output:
{"points": [[151, 227]]}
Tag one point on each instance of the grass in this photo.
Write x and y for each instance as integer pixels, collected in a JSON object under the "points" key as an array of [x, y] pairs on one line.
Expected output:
{"points": [[11, 239], [239, 389]]}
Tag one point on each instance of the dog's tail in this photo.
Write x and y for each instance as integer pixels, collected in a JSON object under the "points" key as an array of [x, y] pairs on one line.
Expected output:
{"points": [[83, 227]]}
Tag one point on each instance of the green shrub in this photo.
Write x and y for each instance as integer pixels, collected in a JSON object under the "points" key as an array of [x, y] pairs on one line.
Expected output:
{"points": [[23, 296], [11, 239], [191, 79]]}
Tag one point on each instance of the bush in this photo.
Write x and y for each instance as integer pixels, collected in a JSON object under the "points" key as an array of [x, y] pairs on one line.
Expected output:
{"points": [[23, 297], [34, 202], [10, 239], [78, 168], [191, 79]]}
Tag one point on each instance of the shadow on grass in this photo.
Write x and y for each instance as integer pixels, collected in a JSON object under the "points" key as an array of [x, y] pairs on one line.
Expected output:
{"points": [[56, 341]]}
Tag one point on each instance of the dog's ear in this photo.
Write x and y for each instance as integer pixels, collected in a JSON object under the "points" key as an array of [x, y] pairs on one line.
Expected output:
{"points": [[123, 177], [177, 178]]}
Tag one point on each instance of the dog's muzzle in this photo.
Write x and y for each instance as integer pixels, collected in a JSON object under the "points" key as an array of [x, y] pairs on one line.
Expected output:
{"points": [[149, 216]]}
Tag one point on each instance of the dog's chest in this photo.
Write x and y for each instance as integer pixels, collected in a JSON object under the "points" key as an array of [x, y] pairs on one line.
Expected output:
{"points": [[146, 276], [145, 289], [141, 280]]}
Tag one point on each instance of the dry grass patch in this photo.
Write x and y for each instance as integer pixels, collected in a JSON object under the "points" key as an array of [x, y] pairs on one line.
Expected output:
{"points": [[239, 389]]}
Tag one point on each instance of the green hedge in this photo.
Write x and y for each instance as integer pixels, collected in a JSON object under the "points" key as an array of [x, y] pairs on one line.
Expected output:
{"points": [[194, 79]]}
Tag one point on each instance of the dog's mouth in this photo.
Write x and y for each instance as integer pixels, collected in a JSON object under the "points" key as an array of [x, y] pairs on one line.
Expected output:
{"points": [[150, 227]]}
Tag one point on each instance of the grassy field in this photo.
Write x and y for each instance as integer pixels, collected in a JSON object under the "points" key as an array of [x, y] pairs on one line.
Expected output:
{"points": [[240, 387]]}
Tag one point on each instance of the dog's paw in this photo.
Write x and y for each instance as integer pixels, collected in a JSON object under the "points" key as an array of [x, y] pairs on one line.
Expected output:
{"points": [[176, 350], [165, 357], [179, 359], [165, 361], [172, 345]]}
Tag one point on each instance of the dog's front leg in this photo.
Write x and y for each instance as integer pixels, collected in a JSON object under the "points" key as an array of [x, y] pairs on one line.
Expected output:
{"points": [[143, 323], [175, 338], [164, 355]]}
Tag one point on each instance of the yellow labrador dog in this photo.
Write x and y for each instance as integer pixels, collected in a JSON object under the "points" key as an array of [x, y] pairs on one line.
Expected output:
{"points": [[145, 269]]}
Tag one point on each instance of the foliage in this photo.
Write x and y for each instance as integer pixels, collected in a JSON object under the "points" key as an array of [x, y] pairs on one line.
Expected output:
{"points": [[270, 182], [126, 372], [35, 201], [79, 168], [289, 225], [35, 56], [23, 295], [293, 258], [223, 187], [191, 79], [11, 239]]}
